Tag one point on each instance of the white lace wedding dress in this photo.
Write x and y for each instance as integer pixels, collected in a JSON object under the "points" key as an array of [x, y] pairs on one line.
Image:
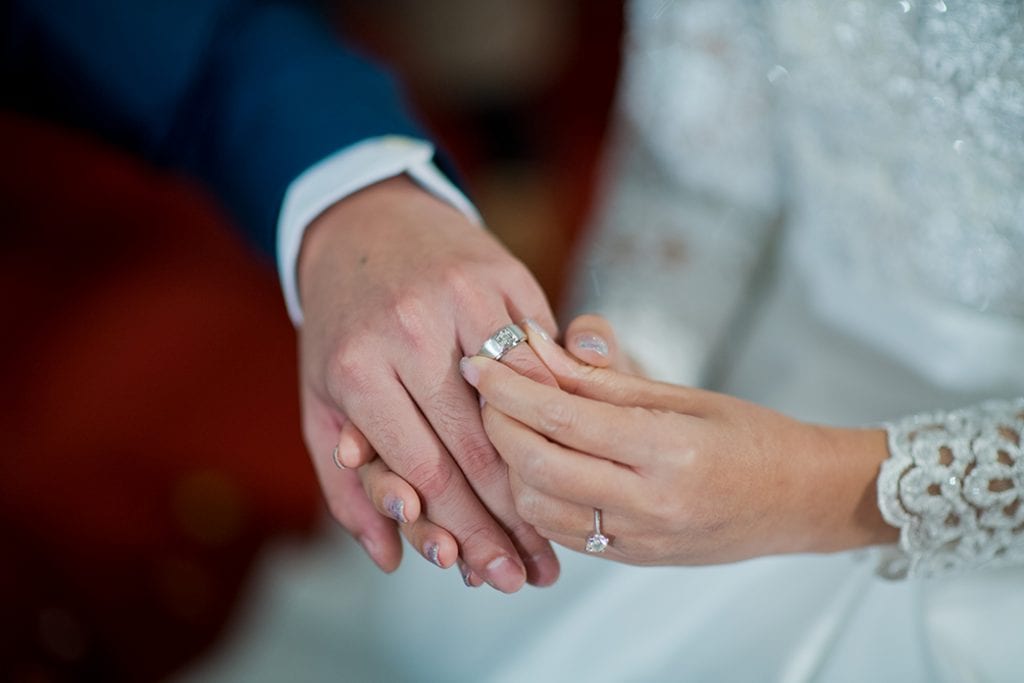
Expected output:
{"points": [[817, 206]]}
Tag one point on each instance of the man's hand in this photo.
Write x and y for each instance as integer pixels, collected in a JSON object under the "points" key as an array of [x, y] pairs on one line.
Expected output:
{"points": [[396, 287]]}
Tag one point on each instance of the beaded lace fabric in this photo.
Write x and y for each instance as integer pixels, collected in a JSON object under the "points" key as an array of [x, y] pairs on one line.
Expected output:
{"points": [[954, 487], [886, 138]]}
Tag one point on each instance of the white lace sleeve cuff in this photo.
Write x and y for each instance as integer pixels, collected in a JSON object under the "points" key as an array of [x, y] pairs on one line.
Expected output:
{"points": [[953, 485], [344, 173]]}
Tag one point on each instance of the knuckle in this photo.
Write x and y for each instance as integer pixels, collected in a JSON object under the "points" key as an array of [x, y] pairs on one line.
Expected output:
{"points": [[556, 418], [582, 373], [533, 369], [431, 479], [528, 507], [477, 459], [414, 319], [521, 274], [468, 444], [349, 369], [525, 531], [669, 514], [534, 469], [474, 535], [666, 509], [460, 282]]}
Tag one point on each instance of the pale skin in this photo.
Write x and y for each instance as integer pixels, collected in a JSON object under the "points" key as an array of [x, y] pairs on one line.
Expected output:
{"points": [[396, 286], [683, 476]]}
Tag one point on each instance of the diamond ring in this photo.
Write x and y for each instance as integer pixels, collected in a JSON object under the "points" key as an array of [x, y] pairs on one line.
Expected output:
{"points": [[502, 341], [597, 542]]}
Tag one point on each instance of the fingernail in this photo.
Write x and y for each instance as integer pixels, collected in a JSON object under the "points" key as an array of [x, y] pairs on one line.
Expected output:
{"points": [[483, 401], [591, 342], [433, 552], [474, 581], [346, 450], [467, 575], [469, 371], [535, 327], [395, 507], [504, 575]]}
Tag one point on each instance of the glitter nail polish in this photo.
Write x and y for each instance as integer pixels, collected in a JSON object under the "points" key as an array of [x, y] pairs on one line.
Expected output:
{"points": [[433, 552], [396, 508]]}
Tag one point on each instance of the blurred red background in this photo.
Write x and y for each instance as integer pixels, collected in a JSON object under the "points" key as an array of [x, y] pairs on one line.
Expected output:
{"points": [[149, 402]]}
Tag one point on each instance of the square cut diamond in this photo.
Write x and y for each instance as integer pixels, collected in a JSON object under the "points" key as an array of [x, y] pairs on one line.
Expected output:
{"points": [[506, 338]]}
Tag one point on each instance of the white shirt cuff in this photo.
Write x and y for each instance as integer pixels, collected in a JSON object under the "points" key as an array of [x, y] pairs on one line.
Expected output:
{"points": [[346, 172]]}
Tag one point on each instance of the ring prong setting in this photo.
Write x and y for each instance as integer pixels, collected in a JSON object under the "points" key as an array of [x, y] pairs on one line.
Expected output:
{"points": [[597, 543]]}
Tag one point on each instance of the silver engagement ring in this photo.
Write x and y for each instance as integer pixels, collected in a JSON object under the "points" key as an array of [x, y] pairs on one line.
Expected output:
{"points": [[597, 542]]}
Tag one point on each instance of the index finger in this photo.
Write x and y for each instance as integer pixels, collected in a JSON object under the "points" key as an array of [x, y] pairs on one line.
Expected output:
{"points": [[618, 433]]}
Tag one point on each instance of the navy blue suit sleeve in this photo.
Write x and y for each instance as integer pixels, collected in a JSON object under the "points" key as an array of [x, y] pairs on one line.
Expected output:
{"points": [[244, 95]]}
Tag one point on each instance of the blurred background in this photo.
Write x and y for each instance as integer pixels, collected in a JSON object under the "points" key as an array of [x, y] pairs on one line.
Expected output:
{"points": [[149, 405]]}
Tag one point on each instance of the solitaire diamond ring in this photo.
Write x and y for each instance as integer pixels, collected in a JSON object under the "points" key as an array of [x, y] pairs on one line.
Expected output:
{"points": [[597, 542]]}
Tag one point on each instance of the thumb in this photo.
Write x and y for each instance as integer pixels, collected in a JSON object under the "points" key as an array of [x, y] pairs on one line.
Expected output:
{"points": [[590, 338]]}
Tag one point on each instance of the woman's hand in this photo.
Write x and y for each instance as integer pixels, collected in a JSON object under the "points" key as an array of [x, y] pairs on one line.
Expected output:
{"points": [[683, 476]]}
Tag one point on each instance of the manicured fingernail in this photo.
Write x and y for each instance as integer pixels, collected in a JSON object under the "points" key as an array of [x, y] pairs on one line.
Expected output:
{"points": [[468, 577], [503, 574], [346, 451], [395, 507], [469, 371], [591, 342], [433, 552], [534, 327]]}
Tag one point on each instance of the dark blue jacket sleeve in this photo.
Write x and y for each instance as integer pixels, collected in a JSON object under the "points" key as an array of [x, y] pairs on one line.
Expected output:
{"points": [[243, 94]]}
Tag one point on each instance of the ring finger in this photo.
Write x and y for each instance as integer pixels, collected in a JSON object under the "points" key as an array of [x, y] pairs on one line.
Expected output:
{"points": [[544, 511]]}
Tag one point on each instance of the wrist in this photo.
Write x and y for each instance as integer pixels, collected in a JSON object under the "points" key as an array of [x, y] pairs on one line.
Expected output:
{"points": [[847, 500], [345, 234]]}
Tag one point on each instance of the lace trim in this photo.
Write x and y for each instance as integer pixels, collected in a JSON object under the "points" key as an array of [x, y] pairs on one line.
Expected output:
{"points": [[953, 484]]}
